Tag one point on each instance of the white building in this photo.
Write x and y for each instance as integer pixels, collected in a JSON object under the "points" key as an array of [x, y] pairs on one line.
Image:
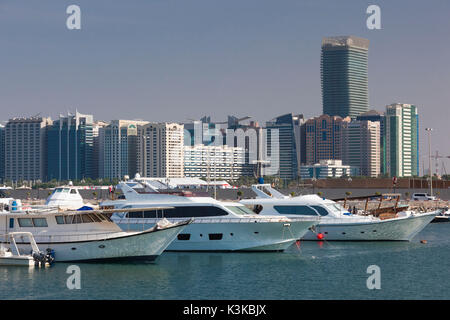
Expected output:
{"points": [[326, 169], [160, 150], [214, 162], [361, 147], [402, 140]]}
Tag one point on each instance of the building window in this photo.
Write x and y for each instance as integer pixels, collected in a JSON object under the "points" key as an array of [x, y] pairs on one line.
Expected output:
{"points": [[324, 136]]}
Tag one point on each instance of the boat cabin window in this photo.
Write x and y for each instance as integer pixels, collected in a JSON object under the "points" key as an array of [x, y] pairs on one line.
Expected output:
{"points": [[40, 222], [73, 191], [85, 218], [32, 222], [321, 210], [95, 217], [180, 212], [80, 218], [25, 222], [60, 220], [240, 210], [300, 210], [76, 219]]}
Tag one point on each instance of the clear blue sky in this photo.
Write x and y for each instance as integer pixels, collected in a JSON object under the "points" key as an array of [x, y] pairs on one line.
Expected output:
{"points": [[164, 60]]}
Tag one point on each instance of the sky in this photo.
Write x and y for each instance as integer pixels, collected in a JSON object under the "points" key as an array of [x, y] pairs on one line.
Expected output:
{"points": [[167, 60]]}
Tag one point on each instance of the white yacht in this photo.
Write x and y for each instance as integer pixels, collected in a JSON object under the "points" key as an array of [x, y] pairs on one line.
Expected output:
{"points": [[66, 197], [87, 235], [217, 226], [336, 222]]}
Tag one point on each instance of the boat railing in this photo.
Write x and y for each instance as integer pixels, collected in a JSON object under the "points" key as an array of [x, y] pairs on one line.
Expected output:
{"points": [[58, 238], [208, 220]]}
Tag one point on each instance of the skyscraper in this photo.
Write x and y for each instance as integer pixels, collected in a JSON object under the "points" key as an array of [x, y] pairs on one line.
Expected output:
{"points": [[375, 116], [324, 138], [361, 147], [288, 129], [25, 148], [119, 156], [70, 145], [160, 150], [2, 152], [402, 140], [344, 65]]}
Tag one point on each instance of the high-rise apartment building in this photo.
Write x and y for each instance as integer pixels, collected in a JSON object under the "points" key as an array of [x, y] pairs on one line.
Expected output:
{"points": [[361, 147], [214, 162], [324, 138], [25, 148], [288, 128], [344, 68], [120, 144], [376, 116], [98, 134], [70, 144], [160, 150], [2, 153], [402, 140]]}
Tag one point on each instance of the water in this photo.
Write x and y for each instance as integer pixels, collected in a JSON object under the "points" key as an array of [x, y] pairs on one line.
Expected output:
{"points": [[335, 270]]}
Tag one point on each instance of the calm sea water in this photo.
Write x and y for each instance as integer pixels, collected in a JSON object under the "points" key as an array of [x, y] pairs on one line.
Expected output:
{"points": [[335, 270]]}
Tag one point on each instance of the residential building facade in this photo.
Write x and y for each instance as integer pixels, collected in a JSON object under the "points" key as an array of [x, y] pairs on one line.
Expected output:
{"points": [[2, 153], [402, 140], [160, 151], [361, 147], [376, 116], [324, 138], [214, 162], [287, 127], [70, 146], [344, 76], [120, 143], [326, 169], [25, 149]]}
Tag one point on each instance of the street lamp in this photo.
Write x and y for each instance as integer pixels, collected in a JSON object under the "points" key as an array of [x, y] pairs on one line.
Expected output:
{"points": [[429, 155]]}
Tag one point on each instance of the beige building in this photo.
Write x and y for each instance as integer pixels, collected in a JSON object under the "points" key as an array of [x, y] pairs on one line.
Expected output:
{"points": [[323, 138], [361, 147], [25, 148], [160, 150], [119, 141]]}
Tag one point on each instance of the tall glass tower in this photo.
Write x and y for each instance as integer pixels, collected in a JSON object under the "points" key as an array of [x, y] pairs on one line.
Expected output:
{"points": [[344, 78], [70, 148]]}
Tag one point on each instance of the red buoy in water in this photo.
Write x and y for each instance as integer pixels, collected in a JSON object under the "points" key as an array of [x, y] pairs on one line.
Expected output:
{"points": [[320, 236]]}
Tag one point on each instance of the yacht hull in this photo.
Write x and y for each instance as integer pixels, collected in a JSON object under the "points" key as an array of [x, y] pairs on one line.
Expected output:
{"points": [[398, 229], [17, 261], [232, 236], [145, 245]]}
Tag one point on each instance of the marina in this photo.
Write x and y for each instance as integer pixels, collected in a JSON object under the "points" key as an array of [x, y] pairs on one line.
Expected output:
{"points": [[315, 270], [282, 264]]}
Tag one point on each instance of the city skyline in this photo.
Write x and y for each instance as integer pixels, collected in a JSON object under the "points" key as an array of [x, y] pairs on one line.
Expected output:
{"points": [[217, 59]]}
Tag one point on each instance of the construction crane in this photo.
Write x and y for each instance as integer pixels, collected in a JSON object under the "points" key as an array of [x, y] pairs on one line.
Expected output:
{"points": [[437, 156]]}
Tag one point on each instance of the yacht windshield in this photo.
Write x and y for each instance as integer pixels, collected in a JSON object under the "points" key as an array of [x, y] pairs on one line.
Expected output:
{"points": [[240, 210], [335, 208]]}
